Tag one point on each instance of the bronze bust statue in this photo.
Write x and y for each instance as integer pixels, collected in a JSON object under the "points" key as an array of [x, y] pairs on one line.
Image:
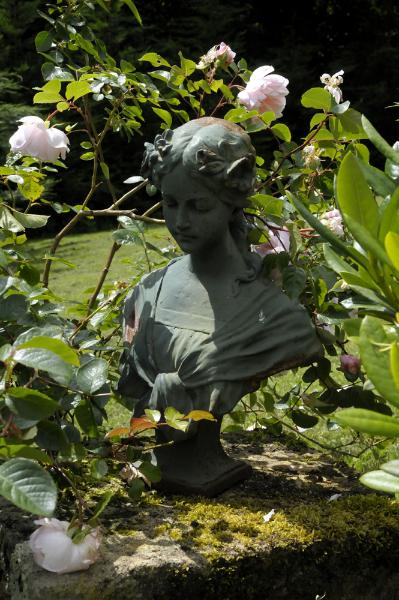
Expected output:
{"points": [[205, 330]]}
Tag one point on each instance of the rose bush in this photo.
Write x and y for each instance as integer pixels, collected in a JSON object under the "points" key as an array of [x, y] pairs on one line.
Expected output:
{"points": [[35, 138]]}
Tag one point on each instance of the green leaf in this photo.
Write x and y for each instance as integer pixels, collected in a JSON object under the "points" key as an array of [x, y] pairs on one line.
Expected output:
{"points": [[390, 217], [134, 10], [379, 142], [150, 471], [269, 204], [155, 59], [317, 98], [91, 376], [30, 220], [98, 468], [379, 480], [366, 239], [294, 280], [394, 361], [50, 93], [77, 89], [30, 404], [391, 467], [58, 347], [105, 169], [27, 485], [45, 360], [101, 505], [51, 71], [368, 421], [354, 196], [174, 419], [165, 116], [237, 115], [303, 420], [374, 346], [392, 247], [51, 436], [377, 179], [136, 489], [282, 132], [85, 418], [43, 41]]}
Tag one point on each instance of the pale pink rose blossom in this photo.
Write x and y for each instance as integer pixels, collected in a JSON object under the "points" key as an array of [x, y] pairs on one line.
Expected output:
{"points": [[350, 364], [279, 241], [333, 220], [332, 83], [221, 53], [225, 53], [34, 138], [54, 550], [265, 92]]}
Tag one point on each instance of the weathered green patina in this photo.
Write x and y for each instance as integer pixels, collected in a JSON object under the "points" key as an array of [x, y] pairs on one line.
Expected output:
{"points": [[204, 331]]}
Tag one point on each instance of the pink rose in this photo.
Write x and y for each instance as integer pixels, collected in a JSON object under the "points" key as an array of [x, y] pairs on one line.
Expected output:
{"points": [[221, 54], [34, 138], [333, 220], [225, 53], [350, 364], [54, 550], [279, 241], [265, 92]]}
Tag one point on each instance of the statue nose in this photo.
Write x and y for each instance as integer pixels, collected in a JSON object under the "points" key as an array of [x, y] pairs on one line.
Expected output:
{"points": [[182, 220]]}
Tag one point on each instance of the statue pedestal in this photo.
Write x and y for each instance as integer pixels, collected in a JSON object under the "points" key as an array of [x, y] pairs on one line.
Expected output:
{"points": [[198, 465]]}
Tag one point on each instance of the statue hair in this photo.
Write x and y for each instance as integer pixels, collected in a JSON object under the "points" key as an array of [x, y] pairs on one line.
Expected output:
{"points": [[217, 152]]}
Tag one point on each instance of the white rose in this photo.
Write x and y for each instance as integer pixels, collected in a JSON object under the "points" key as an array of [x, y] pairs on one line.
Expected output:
{"points": [[34, 138], [55, 551]]}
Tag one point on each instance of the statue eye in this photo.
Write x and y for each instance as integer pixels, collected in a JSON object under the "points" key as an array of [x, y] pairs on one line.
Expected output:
{"points": [[169, 201], [203, 204]]}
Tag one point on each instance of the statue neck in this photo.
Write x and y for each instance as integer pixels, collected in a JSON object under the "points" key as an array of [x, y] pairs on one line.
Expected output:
{"points": [[222, 260]]}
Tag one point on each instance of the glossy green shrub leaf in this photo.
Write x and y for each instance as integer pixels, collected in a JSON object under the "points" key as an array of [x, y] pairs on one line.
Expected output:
{"points": [[43, 41], [382, 481], [390, 217], [317, 98], [30, 220], [150, 471], [303, 420], [154, 59], [391, 467], [77, 89], [392, 247], [30, 404], [136, 489], [164, 115], [58, 347], [50, 93], [91, 376], [368, 421], [394, 362], [174, 419], [27, 485], [381, 183], [282, 131], [374, 346], [367, 240], [51, 436], [379, 142], [98, 468], [294, 281], [354, 196], [45, 360]]}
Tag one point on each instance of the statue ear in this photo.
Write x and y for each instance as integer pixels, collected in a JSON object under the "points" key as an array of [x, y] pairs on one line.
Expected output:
{"points": [[209, 161]]}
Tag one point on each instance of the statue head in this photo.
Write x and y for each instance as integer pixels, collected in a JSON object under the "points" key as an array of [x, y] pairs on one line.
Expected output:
{"points": [[217, 152], [209, 163]]}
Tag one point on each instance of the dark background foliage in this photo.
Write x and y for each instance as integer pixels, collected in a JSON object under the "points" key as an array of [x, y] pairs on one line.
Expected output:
{"points": [[301, 41]]}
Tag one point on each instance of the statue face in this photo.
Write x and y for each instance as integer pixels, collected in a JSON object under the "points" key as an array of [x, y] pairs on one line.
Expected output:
{"points": [[194, 215]]}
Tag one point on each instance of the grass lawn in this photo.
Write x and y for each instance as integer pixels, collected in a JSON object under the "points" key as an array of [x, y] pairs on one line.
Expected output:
{"points": [[85, 256]]}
